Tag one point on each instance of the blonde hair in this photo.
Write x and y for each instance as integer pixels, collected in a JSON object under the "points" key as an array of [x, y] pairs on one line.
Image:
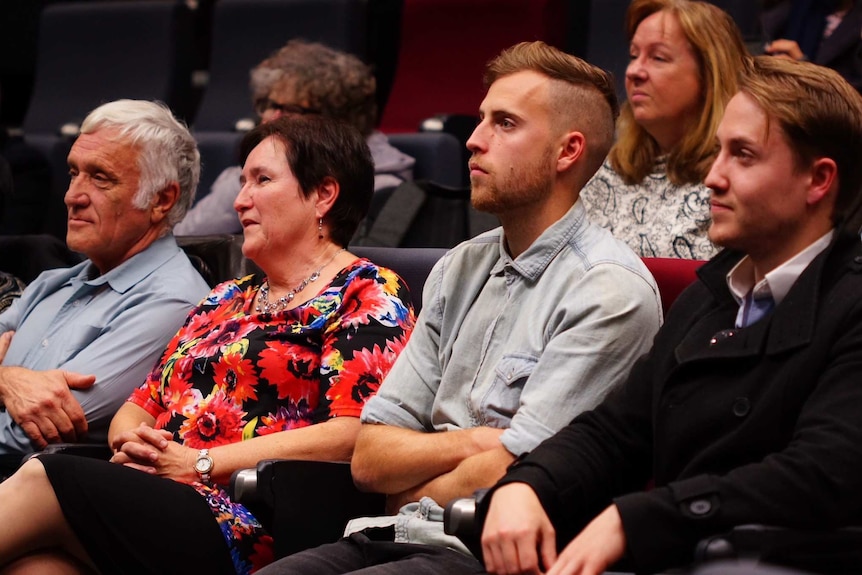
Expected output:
{"points": [[721, 55], [820, 115], [582, 95]]}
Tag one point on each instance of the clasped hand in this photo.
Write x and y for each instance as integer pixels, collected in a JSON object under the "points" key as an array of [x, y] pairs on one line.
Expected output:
{"points": [[41, 402], [154, 451]]}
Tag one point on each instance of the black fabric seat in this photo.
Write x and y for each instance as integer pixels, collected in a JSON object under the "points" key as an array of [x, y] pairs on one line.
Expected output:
{"points": [[94, 52]]}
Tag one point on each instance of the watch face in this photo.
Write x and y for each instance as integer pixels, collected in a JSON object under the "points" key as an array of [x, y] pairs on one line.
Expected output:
{"points": [[203, 465]]}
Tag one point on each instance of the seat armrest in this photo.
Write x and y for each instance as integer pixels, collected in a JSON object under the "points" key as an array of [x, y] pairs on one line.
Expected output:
{"points": [[828, 551], [303, 504], [464, 518]]}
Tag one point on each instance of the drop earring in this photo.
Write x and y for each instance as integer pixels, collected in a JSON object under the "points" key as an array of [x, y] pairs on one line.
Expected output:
{"points": [[320, 229]]}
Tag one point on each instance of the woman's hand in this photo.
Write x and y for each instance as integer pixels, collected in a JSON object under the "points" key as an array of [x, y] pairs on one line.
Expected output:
{"points": [[153, 451]]}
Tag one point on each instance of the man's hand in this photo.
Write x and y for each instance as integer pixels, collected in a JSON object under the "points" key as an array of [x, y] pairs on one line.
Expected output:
{"points": [[153, 451], [601, 544], [517, 531], [42, 404], [785, 49], [5, 340]]}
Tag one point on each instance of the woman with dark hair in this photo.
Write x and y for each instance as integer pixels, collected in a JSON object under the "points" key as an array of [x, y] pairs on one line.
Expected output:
{"points": [[273, 365], [685, 58]]}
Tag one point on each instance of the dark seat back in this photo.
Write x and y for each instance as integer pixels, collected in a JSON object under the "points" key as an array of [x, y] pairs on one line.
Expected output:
{"points": [[438, 156], [219, 150], [26, 256], [422, 214], [411, 264], [94, 52], [217, 258]]}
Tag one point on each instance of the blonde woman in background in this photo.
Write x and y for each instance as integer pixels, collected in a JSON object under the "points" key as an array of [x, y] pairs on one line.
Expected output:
{"points": [[685, 58]]}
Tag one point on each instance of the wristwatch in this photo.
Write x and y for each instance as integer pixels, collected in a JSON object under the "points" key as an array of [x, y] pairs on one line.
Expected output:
{"points": [[204, 465]]}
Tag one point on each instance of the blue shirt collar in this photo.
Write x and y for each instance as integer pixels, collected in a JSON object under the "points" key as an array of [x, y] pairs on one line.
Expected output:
{"points": [[130, 272], [532, 263]]}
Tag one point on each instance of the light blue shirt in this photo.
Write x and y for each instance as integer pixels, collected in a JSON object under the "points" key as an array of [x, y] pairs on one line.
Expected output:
{"points": [[114, 326], [524, 344]]}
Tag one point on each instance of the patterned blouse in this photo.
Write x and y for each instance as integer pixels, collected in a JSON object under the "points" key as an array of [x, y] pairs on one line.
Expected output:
{"points": [[11, 288], [231, 373], [656, 218]]}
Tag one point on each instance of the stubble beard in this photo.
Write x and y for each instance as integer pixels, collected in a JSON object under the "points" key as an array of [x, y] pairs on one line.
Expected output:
{"points": [[499, 196]]}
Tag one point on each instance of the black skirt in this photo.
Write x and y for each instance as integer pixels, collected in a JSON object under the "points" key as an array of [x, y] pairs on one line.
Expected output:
{"points": [[134, 522]]}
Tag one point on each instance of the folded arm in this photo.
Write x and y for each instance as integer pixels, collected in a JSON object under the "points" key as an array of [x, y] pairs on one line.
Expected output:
{"points": [[152, 451]]}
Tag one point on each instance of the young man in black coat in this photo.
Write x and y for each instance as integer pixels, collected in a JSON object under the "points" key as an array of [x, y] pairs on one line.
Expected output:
{"points": [[747, 409]]}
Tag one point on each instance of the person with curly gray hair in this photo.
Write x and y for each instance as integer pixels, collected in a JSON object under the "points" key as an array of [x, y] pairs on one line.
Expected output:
{"points": [[80, 339], [297, 79]]}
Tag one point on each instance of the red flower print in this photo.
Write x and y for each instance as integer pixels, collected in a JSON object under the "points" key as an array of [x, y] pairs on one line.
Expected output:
{"points": [[173, 397], [201, 324], [292, 369], [287, 417], [263, 554], [360, 377], [216, 420], [221, 335], [373, 303], [236, 376]]}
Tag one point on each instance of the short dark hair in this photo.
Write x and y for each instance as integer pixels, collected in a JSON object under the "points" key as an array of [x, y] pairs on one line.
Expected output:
{"points": [[317, 148]]}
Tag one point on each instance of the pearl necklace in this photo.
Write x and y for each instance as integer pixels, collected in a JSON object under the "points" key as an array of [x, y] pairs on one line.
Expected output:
{"points": [[265, 306]]}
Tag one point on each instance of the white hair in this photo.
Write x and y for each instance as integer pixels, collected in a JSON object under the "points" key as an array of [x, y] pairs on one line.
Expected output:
{"points": [[168, 151]]}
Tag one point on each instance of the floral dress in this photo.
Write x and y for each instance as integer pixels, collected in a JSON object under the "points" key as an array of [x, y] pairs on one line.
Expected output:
{"points": [[231, 373]]}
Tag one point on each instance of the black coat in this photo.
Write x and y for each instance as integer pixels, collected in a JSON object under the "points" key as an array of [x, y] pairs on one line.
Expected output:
{"points": [[841, 51], [731, 426]]}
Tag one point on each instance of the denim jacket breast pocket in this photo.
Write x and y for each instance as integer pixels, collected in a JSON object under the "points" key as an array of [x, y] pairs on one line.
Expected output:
{"points": [[503, 398]]}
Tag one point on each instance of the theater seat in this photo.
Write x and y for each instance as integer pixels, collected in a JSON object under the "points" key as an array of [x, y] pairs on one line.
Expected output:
{"points": [[672, 276]]}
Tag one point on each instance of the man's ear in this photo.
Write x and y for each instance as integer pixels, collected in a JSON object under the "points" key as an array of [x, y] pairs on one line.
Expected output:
{"points": [[824, 178], [574, 145], [327, 193], [164, 200]]}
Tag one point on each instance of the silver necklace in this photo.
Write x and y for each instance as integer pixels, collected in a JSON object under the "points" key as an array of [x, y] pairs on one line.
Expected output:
{"points": [[265, 306]]}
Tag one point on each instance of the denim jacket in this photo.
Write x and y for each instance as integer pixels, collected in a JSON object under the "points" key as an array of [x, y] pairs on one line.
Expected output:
{"points": [[522, 344]]}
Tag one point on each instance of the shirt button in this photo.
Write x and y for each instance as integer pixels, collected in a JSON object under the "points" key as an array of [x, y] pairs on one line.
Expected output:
{"points": [[741, 406], [700, 507], [44, 343]]}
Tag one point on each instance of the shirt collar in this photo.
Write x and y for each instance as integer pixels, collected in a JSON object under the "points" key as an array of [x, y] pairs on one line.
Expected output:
{"points": [[740, 279], [133, 270], [535, 259]]}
